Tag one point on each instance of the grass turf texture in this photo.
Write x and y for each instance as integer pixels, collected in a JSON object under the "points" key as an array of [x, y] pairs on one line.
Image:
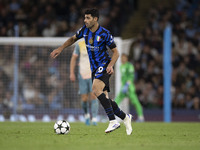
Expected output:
{"points": [[146, 136]]}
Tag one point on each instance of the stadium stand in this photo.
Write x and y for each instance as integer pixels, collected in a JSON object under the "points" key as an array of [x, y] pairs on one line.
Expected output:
{"points": [[57, 19], [146, 53]]}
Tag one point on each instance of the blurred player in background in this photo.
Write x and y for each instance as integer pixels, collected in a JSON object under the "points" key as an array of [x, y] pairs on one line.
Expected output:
{"points": [[97, 39], [85, 81], [128, 88]]}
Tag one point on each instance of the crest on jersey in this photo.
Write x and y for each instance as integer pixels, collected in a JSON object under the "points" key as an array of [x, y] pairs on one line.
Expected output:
{"points": [[91, 41], [98, 38]]}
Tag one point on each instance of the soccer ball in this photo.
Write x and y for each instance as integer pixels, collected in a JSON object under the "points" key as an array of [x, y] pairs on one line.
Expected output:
{"points": [[61, 127]]}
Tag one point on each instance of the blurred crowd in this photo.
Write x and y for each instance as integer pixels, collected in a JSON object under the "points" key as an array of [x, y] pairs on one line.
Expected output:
{"points": [[59, 18], [146, 53], [44, 83]]}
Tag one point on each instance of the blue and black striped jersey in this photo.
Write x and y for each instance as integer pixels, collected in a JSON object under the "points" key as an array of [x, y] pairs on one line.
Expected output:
{"points": [[96, 44]]}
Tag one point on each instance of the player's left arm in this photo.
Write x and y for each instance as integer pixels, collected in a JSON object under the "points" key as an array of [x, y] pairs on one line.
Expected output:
{"points": [[111, 44], [115, 56]]}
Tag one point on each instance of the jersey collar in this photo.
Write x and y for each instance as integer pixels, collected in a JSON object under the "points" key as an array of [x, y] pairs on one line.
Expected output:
{"points": [[96, 30]]}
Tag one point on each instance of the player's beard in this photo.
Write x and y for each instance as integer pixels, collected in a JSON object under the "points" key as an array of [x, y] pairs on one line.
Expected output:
{"points": [[90, 27]]}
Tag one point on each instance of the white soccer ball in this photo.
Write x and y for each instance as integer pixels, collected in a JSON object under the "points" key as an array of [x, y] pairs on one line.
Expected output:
{"points": [[61, 127]]}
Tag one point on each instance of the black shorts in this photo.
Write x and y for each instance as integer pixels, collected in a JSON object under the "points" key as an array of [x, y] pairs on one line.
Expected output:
{"points": [[102, 75]]}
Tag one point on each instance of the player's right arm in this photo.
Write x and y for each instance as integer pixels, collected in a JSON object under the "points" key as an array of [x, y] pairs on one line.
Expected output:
{"points": [[130, 73], [68, 43], [74, 57], [72, 67]]}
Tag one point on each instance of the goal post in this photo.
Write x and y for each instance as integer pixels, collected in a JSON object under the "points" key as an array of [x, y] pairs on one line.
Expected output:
{"points": [[122, 48], [167, 46], [44, 89]]}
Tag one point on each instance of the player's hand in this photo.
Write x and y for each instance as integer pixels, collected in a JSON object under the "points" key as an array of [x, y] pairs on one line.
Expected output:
{"points": [[72, 77], [125, 88], [55, 52], [110, 70]]}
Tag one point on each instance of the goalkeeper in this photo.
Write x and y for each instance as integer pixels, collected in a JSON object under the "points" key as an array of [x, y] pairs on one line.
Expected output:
{"points": [[128, 88]]}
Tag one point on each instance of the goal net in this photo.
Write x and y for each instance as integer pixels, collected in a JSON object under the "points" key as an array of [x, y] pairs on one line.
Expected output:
{"points": [[36, 87]]}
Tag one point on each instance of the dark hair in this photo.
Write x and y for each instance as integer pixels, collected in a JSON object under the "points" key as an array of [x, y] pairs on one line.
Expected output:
{"points": [[94, 12]]}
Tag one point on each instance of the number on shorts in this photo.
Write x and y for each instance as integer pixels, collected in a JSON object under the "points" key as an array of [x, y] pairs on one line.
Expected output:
{"points": [[100, 69]]}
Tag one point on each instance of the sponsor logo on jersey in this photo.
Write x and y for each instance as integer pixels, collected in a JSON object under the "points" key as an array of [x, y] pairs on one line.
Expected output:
{"points": [[93, 48]]}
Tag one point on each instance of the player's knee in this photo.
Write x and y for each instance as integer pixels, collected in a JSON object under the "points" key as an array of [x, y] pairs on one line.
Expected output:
{"points": [[96, 90], [84, 97], [92, 96]]}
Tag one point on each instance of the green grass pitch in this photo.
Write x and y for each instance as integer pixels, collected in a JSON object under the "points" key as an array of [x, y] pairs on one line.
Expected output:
{"points": [[146, 136]]}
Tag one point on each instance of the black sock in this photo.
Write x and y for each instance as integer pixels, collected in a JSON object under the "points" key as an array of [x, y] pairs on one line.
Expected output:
{"points": [[117, 111], [107, 106]]}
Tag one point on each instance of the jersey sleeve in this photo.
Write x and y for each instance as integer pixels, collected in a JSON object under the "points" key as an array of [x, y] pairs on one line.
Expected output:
{"points": [[110, 41], [130, 72], [79, 33], [76, 50]]}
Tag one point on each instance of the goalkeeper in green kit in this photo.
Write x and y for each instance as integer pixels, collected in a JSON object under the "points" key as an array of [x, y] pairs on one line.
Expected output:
{"points": [[128, 88]]}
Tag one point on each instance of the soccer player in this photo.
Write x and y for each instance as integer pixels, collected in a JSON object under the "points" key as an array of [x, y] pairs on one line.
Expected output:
{"points": [[128, 88], [85, 81], [97, 40]]}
